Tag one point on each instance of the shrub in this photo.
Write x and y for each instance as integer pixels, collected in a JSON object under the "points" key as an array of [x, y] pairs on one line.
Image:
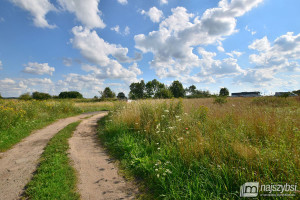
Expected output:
{"points": [[25, 96], [70, 95], [41, 96], [220, 100]]}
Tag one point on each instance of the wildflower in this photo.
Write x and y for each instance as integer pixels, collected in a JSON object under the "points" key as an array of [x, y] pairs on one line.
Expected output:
{"points": [[157, 131], [157, 175], [158, 148], [163, 116], [157, 143], [168, 171], [186, 128], [166, 111], [156, 169], [181, 138], [177, 116]]}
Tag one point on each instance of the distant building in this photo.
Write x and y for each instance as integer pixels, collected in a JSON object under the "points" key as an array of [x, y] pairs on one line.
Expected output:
{"points": [[246, 94], [278, 94]]}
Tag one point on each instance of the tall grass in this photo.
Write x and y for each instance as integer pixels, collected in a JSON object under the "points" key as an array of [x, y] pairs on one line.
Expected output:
{"points": [[195, 149], [19, 118]]}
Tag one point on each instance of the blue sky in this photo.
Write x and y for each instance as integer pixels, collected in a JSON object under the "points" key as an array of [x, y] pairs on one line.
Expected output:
{"points": [[64, 45]]}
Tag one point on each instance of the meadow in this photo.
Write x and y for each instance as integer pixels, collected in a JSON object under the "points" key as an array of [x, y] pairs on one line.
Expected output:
{"points": [[199, 149], [19, 118]]}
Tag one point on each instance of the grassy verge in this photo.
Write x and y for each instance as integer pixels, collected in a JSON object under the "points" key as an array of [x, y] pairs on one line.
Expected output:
{"points": [[20, 118], [55, 178], [195, 149]]}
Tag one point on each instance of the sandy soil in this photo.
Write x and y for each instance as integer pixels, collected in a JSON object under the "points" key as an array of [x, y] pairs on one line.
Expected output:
{"points": [[97, 174], [18, 164]]}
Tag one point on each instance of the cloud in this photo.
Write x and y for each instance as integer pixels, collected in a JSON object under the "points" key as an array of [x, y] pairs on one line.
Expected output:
{"points": [[123, 2], [155, 14], [67, 62], [283, 54], [86, 12], [178, 35], [1, 65], [38, 68], [117, 30], [107, 57], [250, 30], [38, 10], [280, 56], [162, 2], [235, 53], [127, 30]]}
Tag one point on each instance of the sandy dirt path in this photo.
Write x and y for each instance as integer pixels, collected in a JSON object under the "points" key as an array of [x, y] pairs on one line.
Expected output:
{"points": [[18, 164], [97, 174]]}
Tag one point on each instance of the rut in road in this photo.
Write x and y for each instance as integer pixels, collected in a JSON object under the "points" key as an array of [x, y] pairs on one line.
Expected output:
{"points": [[98, 176], [18, 164]]}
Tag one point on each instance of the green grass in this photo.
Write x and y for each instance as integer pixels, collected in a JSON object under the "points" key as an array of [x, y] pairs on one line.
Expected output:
{"points": [[55, 178], [195, 149], [20, 118]]}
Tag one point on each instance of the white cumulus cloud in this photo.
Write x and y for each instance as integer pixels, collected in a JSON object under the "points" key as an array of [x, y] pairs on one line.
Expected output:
{"points": [[155, 14], [86, 12], [104, 55], [163, 2], [38, 10], [1, 65], [173, 43], [123, 2], [38, 68]]}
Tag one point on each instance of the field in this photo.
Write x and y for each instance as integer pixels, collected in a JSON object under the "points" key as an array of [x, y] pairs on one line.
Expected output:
{"points": [[20, 118], [174, 149], [197, 149]]}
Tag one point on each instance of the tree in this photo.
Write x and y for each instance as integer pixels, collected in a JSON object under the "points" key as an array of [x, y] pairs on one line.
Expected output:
{"points": [[41, 96], [164, 93], [70, 95], [224, 92], [177, 89], [121, 96], [137, 90], [107, 93], [192, 89], [297, 92], [0, 96], [25, 96]]}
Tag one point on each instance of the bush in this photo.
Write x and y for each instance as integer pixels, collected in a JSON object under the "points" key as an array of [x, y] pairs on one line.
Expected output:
{"points": [[25, 96], [70, 95], [220, 100], [41, 96]]}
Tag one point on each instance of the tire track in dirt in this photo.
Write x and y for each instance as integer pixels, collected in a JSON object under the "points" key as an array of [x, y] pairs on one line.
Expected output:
{"points": [[18, 164], [97, 174]]}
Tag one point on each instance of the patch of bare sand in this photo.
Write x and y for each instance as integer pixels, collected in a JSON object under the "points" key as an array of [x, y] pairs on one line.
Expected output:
{"points": [[97, 174], [18, 164]]}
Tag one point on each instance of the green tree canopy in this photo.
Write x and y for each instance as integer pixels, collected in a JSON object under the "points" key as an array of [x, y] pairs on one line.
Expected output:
{"points": [[137, 90], [25, 96], [177, 89], [41, 96], [70, 95], [224, 92], [163, 93], [107, 93], [121, 95]]}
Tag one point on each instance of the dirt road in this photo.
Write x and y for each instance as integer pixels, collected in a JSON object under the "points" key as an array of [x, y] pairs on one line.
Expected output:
{"points": [[18, 163], [98, 176]]}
